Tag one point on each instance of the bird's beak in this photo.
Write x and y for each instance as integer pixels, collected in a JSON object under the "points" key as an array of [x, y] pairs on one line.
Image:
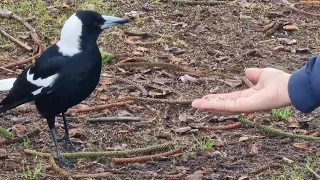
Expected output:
{"points": [[113, 21]]}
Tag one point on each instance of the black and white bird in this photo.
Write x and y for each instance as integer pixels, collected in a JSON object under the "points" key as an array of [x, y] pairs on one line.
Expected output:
{"points": [[65, 74]]}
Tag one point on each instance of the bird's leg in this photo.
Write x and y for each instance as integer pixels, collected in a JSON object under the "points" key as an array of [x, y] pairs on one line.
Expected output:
{"points": [[66, 137], [58, 156]]}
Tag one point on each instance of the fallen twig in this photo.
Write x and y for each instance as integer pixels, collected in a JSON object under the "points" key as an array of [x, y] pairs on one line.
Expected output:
{"points": [[144, 34], [143, 91], [3, 68], [154, 100], [145, 158], [114, 119], [226, 127], [18, 63], [28, 48], [317, 176], [292, 7], [265, 167], [247, 82], [98, 175], [179, 176], [195, 20], [8, 14], [203, 3], [101, 107]]}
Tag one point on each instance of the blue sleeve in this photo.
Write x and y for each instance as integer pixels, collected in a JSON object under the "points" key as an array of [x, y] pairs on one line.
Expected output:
{"points": [[304, 86]]}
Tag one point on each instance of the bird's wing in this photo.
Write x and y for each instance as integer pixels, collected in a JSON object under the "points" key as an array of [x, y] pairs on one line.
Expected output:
{"points": [[34, 81]]}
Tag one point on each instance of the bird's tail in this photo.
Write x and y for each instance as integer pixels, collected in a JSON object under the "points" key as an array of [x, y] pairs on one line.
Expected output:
{"points": [[5, 105], [6, 84]]}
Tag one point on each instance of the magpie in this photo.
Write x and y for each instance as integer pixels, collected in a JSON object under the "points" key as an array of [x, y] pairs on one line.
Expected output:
{"points": [[65, 74]]}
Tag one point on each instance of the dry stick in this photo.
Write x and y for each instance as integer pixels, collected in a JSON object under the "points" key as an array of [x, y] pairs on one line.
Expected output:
{"points": [[11, 65], [101, 107], [98, 175], [114, 119], [28, 48], [265, 167], [313, 172], [145, 34], [247, 82], [143, 91], [292, 7], [3, 68], [206, 3], [8, 14], [226, 127], [145, 158], [174, 176]]}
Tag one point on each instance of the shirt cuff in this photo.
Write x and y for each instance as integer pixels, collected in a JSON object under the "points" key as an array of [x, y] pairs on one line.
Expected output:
{"points": [[301, 93]]}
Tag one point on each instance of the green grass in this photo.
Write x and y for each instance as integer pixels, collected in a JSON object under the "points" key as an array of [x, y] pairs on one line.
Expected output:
{"points": [[297, 172], [106, 57], [46, 24], [28, 174], [282, 113], [205, 143]]}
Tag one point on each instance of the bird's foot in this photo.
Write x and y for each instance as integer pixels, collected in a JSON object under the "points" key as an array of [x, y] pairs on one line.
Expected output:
{"points": [[76, 146], [65, 162]]}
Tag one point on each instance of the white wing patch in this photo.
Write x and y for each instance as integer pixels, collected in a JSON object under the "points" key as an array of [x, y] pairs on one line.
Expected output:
{"points": [[6, 84], [42, 83], [69, 43]]}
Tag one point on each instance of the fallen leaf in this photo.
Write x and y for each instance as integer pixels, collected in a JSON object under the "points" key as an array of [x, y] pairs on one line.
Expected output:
{"points": [[218, 142], [194, 177], [185, 78], [76, 133], [290, 27], [161, 81], [300, 131], [233, 82], [244, 177], [154, 93], [197, 125], [221, 58], [137, 53], [300, 145], [18, 129], [103, 97], [203, 171], [199, 29], [286, 41], [90, 7], [133, 40], [105, 82], [81, 106], [174, 50], [279, 48], [99, 89], [143, 49], [269, 26], [182, 24], [174, 59], [287, 160], [182, 129], [244, 138], [123, 131], [254, 149], [302, 51]]}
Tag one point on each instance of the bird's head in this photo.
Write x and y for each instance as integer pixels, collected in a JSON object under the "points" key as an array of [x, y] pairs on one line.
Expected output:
{"points": [[83, 28]]}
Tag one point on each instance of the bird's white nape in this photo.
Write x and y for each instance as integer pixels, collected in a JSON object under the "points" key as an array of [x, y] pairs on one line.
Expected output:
{"points": [[69, 43], [41, 83]]}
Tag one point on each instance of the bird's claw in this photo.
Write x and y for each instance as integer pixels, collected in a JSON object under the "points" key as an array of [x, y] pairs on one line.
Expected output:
{"points": [[65, 162], [68, 141]]}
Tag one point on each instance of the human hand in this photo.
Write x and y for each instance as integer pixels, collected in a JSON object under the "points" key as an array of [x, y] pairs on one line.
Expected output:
{"points": [[270, 92]]}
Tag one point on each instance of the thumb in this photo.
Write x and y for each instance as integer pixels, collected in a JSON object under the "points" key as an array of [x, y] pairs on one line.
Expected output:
{"points": [[253, 74]]}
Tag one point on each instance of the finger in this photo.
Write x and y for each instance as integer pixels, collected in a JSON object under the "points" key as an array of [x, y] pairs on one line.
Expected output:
{"points": [[233, 95], [253, 74]]}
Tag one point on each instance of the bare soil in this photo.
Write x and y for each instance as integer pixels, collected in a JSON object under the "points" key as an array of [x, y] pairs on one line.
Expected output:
{"points": [[231, 30]]}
